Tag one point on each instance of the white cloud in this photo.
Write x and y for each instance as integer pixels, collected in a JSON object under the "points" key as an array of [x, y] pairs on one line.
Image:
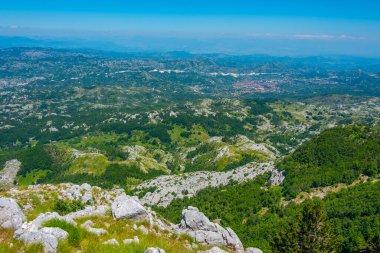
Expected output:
{"points": [[324, 37]]}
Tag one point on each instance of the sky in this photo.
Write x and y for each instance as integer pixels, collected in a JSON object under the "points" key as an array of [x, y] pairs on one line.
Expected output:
{"points": [[286, 27]]}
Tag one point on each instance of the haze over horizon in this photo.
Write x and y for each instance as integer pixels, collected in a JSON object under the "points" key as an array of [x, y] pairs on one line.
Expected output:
{"points": [[294, 28]]}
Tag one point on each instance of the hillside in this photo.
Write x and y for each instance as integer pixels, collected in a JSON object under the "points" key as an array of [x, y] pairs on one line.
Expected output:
{"points": [[175, 152]]}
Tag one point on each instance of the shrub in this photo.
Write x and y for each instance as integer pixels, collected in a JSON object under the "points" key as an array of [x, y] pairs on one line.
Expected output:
{"points": [[64, 207]]}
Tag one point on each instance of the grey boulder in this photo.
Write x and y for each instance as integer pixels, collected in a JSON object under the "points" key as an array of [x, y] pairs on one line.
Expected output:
{"points": [[32, 232], [88, 225], [253, 250], [112, 241], [154, 250], [8, 173], [126, 207], [198, 226], [213, 250], [11, 215], [48, 237]]}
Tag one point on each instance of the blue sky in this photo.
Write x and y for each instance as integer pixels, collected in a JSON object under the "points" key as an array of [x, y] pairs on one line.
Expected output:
{"points": [[353, 25]]}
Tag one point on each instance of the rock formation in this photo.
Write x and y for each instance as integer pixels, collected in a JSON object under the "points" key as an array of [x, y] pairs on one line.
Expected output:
{"points": [[171, 187], [8, 173], [197, 225], [126, 207], [11, 215], [154, 250], [32, 232], [213, 250]]}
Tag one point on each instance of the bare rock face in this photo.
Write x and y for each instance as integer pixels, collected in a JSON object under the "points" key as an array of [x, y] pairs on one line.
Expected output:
{"points": [[154, 250], [197, 225], [170, 187], [9, 172], [126, 207], [11, 215]]}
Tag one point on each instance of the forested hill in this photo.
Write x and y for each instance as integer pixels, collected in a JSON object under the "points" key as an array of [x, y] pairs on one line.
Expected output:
{"points": [[348, 216], [337, 155]]}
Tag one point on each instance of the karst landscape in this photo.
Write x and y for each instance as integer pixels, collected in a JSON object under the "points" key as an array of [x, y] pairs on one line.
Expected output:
{"points": [[163, 149]]}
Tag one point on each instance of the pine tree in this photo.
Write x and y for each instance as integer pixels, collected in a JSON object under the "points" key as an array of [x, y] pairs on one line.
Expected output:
{"points": [[309, 233]]}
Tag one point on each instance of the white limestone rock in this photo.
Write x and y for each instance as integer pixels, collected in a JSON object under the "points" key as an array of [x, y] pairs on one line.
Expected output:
{"points": [[170, 187], [154, 250], [143, 229], [49, 241], [56, 232], [33, 232], [126, 207], [253, 250], [197, 225], [112, 241], [213, 250], [44, 217], [89, 211], [78, 192], [11, 215], [88, 225], [8, 173], [134, 240]]}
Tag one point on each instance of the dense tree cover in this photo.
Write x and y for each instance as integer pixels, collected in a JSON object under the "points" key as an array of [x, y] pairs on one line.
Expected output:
{"points": [[239, 206], [120, 175], [347, 221], [339, 154], [34, 158], [309, 232], [355, 217]]}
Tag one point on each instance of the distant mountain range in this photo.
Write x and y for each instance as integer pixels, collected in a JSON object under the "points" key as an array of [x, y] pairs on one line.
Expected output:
{"points": [[225, 45]]}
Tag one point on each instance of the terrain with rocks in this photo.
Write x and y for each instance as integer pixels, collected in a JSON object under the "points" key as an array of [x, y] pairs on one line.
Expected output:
{"points": [[175, 152], [112, 205]]}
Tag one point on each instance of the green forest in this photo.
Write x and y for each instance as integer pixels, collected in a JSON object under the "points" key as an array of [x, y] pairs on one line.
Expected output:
{"points": [[261, 217], [337, 155]]}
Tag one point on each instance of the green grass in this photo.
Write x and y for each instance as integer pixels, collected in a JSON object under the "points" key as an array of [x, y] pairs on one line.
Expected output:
{"points": [[31, 177], [75, 234], [9, 245], [94, 164]]}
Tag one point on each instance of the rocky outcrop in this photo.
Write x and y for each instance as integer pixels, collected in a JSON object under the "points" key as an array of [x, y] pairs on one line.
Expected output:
{"points": [[89, 211], [213, 250], [198, 226], [44, 217], [88, 225], [78, 192], [126, 207], [11, 215], [253, 250], [48, 237], [9, 172], [168, 188], [32, 232], [99, 199], [154, 250], [129, 241], [112, 241]]}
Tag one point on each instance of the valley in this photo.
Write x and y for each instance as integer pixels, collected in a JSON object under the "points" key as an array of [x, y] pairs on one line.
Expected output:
{"points": [[207, 150]]}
